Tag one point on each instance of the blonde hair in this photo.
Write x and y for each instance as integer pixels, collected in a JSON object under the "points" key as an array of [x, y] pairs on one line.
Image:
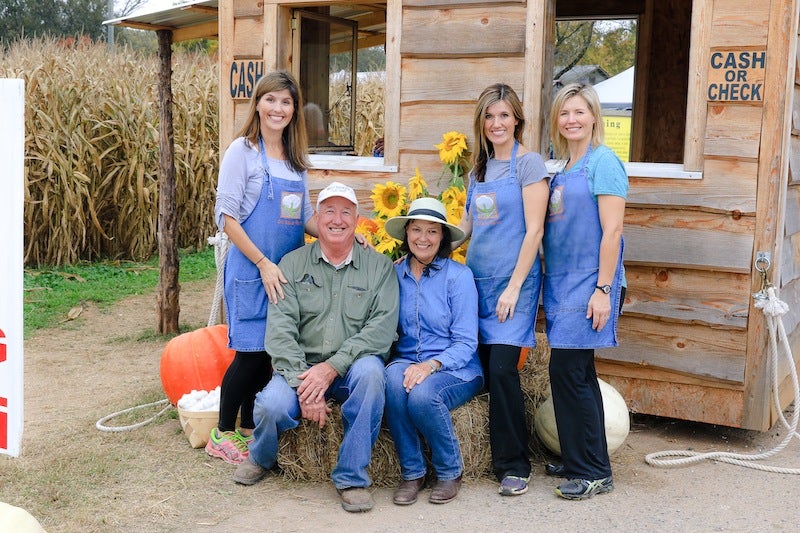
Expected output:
{"points": [[587, 92], [294, 137], [499, 92]]}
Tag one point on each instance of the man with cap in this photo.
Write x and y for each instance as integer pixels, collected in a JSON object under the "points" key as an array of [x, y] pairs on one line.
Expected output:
{"points": [[329, 338]]}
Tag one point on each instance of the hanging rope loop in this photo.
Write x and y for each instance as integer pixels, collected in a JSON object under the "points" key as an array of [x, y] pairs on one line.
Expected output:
{"points": [[773, 308]]}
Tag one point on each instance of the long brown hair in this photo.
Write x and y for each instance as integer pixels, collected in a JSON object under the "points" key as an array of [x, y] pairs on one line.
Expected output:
{"points": [[587, 92], [294, 137], [485, 150]]}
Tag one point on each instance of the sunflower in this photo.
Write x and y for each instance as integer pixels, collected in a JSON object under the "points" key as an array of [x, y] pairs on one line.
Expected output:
{"points": [[454, 195], [386, 244], [417, 187], [389, 199], [453, 145], [366, 227], [460, 254]]}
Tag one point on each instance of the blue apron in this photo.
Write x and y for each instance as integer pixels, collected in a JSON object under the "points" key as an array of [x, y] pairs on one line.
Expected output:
{"points": [[276, 227], [572, 235], [498, 229]]}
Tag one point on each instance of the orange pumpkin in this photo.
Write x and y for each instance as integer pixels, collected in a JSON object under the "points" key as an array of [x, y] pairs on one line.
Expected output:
{"points": [[196, 360]]}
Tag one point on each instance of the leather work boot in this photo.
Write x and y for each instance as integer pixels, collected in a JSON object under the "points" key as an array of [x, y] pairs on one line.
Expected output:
{"points": [[406, 493], [445, 491], [249, 472], [356, 499]]}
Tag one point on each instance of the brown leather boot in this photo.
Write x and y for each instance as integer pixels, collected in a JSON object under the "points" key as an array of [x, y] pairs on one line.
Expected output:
{"points": [[406, 492], [445, 491]]}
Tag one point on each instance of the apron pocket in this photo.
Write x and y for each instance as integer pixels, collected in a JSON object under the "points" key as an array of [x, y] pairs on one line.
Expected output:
{"points": [[251, 299]]}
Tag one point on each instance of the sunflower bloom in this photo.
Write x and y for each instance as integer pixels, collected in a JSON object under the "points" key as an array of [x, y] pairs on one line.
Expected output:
{"points": [[386, 243], [389, 199], [366, 227], [453, 145], [460, 255], [417, 187]]}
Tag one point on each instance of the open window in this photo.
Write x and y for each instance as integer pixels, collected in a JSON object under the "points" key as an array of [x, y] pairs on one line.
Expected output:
{"points": [[659, 79], [341, 67]]}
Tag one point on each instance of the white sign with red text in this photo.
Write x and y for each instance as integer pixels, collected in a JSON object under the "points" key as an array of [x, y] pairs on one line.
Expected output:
{"points": [[12, 155]]}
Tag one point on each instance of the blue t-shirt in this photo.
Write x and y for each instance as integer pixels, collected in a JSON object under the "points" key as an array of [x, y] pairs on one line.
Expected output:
{"points": [[607, 174]]}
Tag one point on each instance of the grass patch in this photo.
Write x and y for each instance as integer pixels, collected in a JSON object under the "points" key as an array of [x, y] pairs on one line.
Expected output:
{"points": [[50, 294]]}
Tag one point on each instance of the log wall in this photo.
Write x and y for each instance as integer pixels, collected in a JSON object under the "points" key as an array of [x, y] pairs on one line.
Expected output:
{"points": [[691, 344]]}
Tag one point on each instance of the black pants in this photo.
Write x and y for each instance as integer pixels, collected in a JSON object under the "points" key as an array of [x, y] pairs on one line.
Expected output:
{"points": [[248, 373], [508, 435], [579, 412]]}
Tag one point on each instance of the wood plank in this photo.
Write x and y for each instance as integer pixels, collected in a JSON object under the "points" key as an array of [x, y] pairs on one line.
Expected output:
{"points": [[693, 145], [248, 8], [790, 293], [772, 182], [391, 92], [792, 219], [715, 353], [733, 131], [248, 39], [794, 159], [708, 241], [727, 185], [457, 3], [537, 94], [738, 22], [696, 296], [470, 31], [790, 263], [422, 125], [688, 402], [466, 78], [226, 105]]}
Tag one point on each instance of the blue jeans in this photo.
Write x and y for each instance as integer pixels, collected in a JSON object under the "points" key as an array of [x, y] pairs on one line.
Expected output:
{"points": [[425, 411], [361, 394]]}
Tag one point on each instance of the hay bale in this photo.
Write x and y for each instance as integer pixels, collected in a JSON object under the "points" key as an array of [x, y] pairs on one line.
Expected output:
{"points": [[308, 453]]}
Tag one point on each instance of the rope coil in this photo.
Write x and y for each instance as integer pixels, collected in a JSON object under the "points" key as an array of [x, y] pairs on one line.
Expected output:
{"points": [[116, 429], [773, 309]]}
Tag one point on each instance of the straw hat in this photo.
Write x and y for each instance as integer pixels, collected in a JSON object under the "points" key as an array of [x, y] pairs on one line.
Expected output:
{"points": [[429, 209]]}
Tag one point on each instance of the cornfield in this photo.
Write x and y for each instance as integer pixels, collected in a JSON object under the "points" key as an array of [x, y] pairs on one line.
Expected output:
{"points": [[91, 149]]}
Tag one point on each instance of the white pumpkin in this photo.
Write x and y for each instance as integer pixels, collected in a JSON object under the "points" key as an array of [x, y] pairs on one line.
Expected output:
{"points": [[618, 421], [18, 520]]}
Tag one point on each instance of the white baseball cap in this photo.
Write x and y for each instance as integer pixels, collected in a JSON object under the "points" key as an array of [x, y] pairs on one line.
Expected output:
{"points": [[337, 189]]}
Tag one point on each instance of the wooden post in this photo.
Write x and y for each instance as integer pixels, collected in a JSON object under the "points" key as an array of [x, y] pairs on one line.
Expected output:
{"points": [[167, 304]]}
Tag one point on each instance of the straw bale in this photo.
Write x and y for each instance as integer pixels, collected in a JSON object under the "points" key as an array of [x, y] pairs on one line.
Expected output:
{"points": [[308, 453]]}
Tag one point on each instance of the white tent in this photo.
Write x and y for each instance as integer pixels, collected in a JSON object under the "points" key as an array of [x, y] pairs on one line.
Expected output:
{"points": [[617, 91]]}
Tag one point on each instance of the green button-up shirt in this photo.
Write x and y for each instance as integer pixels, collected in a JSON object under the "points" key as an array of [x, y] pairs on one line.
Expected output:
{"points": [[331, 315]]}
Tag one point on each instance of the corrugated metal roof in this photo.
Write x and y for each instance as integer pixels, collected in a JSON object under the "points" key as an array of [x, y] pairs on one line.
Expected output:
{"points": [[201, 15]]}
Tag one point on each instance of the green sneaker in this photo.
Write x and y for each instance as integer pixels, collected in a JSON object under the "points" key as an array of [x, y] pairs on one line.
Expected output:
{"points": [[582, 489], [227, 446], [246, 439]]}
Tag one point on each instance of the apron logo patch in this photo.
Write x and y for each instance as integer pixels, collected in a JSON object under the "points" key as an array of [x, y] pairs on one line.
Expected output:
{"points": [[556, 205], [291, 205], [486, 205]]}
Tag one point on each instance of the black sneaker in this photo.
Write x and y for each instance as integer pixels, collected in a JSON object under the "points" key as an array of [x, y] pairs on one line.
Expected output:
{"points": [[582, 489], [554, 469]]}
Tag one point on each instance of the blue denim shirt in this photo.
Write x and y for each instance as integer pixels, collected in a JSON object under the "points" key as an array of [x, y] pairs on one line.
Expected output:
{"points": [[439, 318]]}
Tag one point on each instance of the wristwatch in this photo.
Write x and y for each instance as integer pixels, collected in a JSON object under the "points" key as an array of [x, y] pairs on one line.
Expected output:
{"points": [[605, 288]]}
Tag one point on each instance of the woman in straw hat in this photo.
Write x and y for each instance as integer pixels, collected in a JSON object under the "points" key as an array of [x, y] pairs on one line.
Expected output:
{"points": [[435, 367]]}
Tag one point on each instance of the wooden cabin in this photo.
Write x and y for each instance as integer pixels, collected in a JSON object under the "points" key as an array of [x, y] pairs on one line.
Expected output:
{"points": [[714, 171]]}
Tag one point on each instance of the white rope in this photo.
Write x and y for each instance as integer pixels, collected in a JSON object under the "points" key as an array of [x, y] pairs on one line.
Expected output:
{"points": [[773, 308], [115, 429], [221, 245]]}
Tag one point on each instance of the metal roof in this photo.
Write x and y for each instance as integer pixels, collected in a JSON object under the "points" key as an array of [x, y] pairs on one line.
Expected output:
{"points": [[192, 20]]}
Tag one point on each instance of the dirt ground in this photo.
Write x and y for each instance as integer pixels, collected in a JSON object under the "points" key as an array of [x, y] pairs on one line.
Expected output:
{"points": [[72, 477]]}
